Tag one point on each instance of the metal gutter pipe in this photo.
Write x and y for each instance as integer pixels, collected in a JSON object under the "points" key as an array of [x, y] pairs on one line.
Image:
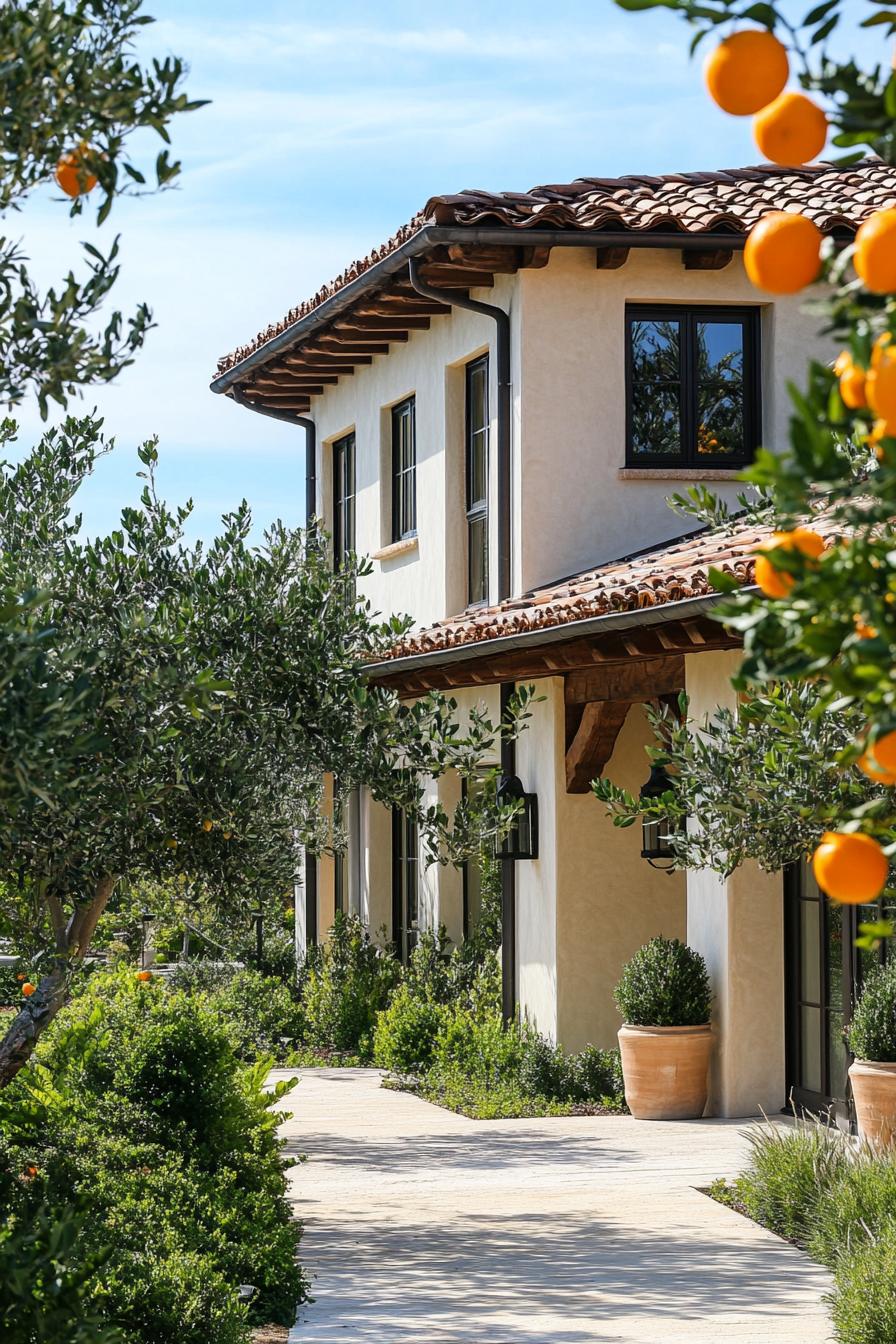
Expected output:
{"points": [[502, 360], [290, 418]]}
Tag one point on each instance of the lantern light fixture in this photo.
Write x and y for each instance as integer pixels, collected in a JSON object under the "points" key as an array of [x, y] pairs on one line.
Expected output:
{"points": [[657, 831], [521, 840]]}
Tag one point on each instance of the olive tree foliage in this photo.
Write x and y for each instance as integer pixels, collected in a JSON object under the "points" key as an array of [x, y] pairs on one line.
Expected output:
{"points": [[71, 82], [168, 711], [761, 782]]}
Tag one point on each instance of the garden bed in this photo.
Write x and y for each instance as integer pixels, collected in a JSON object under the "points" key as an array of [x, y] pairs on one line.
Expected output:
{"points": [[494, 1101]]}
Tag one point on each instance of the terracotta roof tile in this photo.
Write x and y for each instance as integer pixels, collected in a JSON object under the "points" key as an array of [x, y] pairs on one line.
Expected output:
{"points": [[668, 573], [692, 203]]}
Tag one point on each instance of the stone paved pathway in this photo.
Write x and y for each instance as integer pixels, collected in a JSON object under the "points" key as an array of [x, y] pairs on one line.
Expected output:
{"points": [[424, 1226]]}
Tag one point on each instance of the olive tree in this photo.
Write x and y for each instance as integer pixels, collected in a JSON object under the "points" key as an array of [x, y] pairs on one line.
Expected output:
{"points": [[182, 705]]}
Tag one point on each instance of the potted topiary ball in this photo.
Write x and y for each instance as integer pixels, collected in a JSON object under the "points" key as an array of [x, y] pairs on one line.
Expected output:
{"points": [[872, 1039], [665, 1041]]}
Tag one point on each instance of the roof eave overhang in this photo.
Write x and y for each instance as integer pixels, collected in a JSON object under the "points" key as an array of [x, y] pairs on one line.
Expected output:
{"points": [[434, 235], [590, 626]]}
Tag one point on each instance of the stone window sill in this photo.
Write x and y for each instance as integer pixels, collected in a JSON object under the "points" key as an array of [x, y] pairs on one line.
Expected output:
{"points": [[679, 473], [391, 552]]}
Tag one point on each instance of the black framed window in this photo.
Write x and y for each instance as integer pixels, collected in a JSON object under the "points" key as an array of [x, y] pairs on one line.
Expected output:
{"points": [[472, 869], [340, 881], [477, 437], [404, 471], [692, 386], [343, 499], [405, 883]]}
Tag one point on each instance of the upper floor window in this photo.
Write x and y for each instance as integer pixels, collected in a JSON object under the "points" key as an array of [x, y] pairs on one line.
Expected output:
{"points": [[404, 471], [692, 391], [477, 431], [343, 499]]}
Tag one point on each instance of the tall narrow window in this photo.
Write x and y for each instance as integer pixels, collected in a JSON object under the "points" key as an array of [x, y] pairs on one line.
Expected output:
{"points": [[693, 386], [405, 878], [477, 430], [343, 499], [340, 881], [404, 471]]}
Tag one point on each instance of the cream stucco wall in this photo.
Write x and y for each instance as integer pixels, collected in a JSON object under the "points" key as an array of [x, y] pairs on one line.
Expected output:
{"points": [[590, 900], [737, 923], [573, 509]]}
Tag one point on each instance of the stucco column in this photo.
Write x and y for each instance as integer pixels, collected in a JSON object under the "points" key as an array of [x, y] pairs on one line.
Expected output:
{"points": [[737, 924]]}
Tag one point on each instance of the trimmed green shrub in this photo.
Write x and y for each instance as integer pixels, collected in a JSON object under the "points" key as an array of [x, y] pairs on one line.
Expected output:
{"points": [[665, 984], [346, 983], [872, 1032], [261, 1014], [597, 1075], [863, 1304], [136, 1106], [789, 1173], [200, 976], [406, 1032]]}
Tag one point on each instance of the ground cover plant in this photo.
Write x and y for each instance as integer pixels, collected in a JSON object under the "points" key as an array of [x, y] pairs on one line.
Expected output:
{"points": [[136, 1123], [838, 1202]]}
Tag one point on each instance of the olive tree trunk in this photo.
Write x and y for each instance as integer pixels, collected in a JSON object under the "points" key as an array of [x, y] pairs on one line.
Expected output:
{"points": [[72, 943]]}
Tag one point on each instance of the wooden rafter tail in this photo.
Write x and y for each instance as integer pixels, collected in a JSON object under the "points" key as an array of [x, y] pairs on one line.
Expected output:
{"points": [[594, 741]]}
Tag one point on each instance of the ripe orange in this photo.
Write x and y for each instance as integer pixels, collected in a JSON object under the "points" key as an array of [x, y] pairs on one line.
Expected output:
{"points": [[207, 825], [852, 869], [878, 774], [783, 252], [71, 174], [880, 348], [875, 254], [172, 844], [143, 976], [746, 71], [884, 750], [28, 989], [853, 387], [863, 630], [883, 429], [777, 582], [21, 976], [791, 130], [227, 834], [882, 385]]}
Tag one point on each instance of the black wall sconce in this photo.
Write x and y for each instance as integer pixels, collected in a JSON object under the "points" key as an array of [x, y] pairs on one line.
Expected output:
{"points": [[521, 841], [657, 831]]}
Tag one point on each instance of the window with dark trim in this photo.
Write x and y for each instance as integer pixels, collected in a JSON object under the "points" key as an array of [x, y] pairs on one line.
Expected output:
{"points": [[472, 869], [405, 883], [692, 386], [404, 471], [343, 499], [340, 881], [477, 436]]}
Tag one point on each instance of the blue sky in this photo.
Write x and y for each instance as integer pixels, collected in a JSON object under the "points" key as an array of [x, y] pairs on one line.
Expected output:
{"points": [[330, 124]]}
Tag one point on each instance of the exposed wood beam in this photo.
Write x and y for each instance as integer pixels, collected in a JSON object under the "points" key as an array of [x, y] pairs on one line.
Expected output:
{"points": [[346, 349], [290, 381], [398, 306], [312, 357], [503, 260], [593, 743], [534, 258], [391, 330], [631, 682], [321, 365], [300, 406], [713, 259], [456, 277], [398, 323], [288, 394], [610, 258]]}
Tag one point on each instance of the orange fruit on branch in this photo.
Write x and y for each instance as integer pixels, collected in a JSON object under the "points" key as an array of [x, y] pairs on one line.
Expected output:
{"points": [[783, 252], [774, 582], [72, 174], [863, 629], [746, 71], [853, 387], [851, 869], [877, 773], [791, 130], [875, 255], [881, 385], [28, 989], [207, 825], [143, 976]]}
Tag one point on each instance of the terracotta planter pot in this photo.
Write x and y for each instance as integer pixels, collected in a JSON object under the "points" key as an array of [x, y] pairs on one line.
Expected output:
{"points": [[874, 1094], [665, 1071]]}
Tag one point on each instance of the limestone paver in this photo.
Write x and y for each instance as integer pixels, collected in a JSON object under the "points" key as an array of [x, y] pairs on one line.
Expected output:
{"points": [[422, 1226]]}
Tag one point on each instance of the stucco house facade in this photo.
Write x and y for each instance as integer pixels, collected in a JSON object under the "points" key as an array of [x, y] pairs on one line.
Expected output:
{"points": [[497, 404]]}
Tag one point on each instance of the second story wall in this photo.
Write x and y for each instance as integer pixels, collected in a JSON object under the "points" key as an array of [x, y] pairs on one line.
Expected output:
{"points": [[427, 576], [576, 503]]}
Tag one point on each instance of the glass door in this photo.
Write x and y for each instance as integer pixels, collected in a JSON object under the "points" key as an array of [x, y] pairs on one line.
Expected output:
{"points": [[824, 972]]}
